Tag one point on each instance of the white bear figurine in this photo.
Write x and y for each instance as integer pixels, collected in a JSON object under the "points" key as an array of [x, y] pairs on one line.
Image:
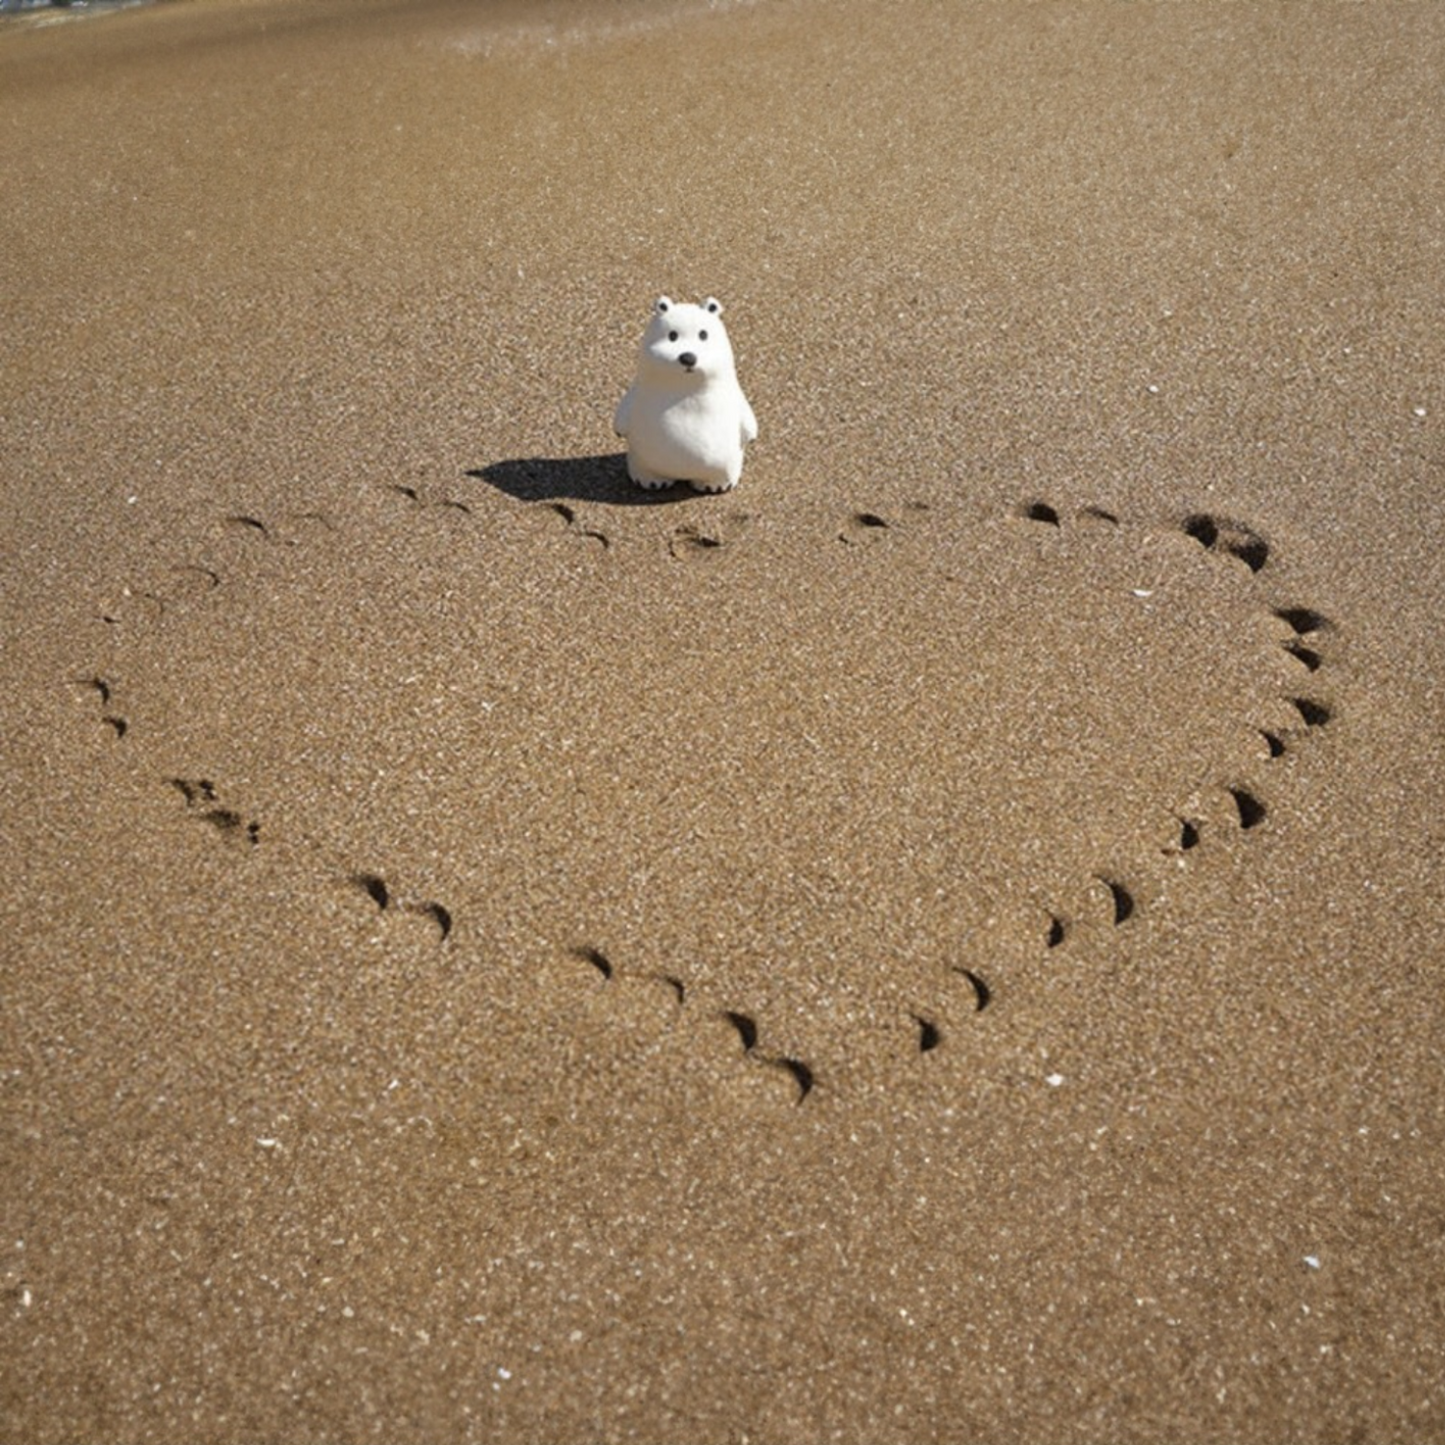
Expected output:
{"points": [[685, 417]]}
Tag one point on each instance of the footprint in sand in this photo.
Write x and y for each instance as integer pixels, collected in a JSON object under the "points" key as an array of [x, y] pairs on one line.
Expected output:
{"points": [[143, 604], [709, 540], [568, 513], [204, 803], [415, 499], [377, 889], [98, 688], [865, 528], [707, 1023]]}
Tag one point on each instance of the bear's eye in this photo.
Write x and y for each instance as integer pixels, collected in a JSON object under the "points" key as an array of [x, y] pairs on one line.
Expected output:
{"points": [[702, 335], [672, 336]]}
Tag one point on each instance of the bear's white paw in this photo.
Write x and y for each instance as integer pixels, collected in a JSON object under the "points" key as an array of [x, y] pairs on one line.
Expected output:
{"points": [[649, 481], [713, 488]]}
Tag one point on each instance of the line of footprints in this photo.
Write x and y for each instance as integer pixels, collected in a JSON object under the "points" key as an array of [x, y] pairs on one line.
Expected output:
{"points": [[1307, 630]]}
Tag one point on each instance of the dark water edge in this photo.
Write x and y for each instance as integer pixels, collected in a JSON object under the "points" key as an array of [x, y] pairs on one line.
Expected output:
{"points": [[64, 7]]}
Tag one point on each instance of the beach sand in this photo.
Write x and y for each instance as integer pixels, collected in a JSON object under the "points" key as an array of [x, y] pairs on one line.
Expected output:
{"points": [[942, 943]]}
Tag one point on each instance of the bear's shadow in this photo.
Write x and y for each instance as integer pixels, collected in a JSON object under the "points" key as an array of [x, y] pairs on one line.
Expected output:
{"points": [[602, 478]]}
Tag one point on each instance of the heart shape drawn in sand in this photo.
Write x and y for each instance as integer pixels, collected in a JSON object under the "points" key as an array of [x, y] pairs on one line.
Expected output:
{"points": [[809, 783]]}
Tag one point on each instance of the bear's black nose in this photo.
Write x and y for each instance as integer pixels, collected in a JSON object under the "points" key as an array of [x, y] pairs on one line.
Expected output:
{"points": [[688, 359]]}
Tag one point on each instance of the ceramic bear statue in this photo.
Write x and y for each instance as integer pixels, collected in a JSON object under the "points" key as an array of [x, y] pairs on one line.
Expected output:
{"points": [[685, 418]]}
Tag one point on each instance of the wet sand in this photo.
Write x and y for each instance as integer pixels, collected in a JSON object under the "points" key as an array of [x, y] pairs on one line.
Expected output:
{"points": [[941, 943]]}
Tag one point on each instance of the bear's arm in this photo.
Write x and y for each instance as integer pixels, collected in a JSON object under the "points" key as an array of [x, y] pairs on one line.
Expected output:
{"points": [[750, 423], [623, 415]]}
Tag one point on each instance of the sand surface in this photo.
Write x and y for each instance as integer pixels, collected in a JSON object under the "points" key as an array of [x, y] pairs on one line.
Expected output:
{"points": [[942, 943]]}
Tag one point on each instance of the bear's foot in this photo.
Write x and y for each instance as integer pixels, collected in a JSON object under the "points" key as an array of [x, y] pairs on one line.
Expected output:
{"points": [[648, 481], [713, 488]]}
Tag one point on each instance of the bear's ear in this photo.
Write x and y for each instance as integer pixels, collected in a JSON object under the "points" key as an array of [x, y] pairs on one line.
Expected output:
{"points": [[714, 305], [664, 303]]}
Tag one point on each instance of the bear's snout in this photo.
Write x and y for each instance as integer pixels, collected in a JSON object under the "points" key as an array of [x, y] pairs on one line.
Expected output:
{"points": [[688, 359]]}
